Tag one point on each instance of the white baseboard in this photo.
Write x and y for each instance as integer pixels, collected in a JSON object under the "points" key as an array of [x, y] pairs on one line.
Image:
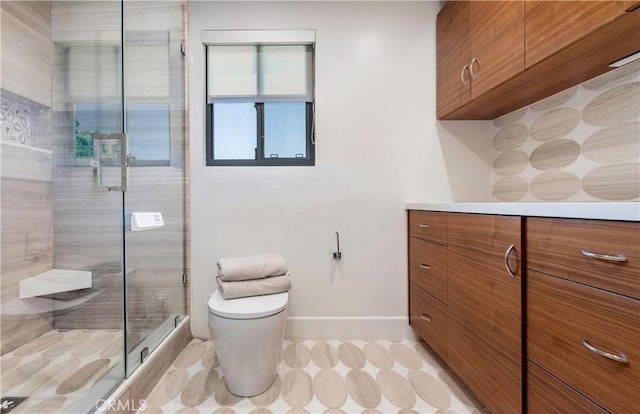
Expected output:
{"points": [[373, 327]]}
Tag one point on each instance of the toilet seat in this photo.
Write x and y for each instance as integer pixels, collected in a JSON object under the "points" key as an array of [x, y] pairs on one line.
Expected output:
{"points": [[251, 307]]}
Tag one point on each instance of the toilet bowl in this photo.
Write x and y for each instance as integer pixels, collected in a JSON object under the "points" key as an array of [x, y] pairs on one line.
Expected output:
{"points": [[248, 334]]}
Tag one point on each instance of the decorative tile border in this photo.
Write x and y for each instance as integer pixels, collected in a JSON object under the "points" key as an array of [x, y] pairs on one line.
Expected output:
{"points": [[16, 122]]}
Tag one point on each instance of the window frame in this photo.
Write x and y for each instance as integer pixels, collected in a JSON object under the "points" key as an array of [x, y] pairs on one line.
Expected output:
{"points": [[260, 38], [261, 159]]}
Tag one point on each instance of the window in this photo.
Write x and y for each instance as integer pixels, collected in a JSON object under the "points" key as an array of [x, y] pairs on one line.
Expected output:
{"points": [[93, 88], [259, 97]]}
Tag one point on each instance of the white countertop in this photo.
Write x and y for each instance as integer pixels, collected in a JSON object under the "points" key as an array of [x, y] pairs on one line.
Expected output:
{"points": [[628, 211]]}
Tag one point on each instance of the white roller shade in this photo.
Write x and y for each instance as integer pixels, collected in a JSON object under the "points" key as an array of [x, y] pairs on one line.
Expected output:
{"points": [[285, 70], [260, 72], [232, 71]]}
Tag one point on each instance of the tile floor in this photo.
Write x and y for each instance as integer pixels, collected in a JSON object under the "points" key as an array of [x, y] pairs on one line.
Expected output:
{"points": [[57, 368], [325, 376]]}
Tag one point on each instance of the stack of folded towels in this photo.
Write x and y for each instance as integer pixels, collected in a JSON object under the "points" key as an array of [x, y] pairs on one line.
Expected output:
{"points": [[263, 274]]}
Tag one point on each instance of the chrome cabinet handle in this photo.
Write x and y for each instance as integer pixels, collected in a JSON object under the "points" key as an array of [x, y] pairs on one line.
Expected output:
{"points": [[622, 358], [425, 226], [465, 82], [424, 266], [506, 260], [607, 257], [425, 317], [474, 76]]}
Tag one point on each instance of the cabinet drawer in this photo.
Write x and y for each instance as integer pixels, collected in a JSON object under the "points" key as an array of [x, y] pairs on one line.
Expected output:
{"points": [[429, 318], [428, 267], [547, 394], [428, 225], [561, 315], [556, 246]]}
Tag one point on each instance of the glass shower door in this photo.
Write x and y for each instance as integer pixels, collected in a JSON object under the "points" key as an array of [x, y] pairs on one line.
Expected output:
{"points": [[89, 176], [155, 199]]}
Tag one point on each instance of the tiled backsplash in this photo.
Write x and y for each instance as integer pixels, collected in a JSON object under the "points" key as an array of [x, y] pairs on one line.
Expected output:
{"points": [[582, 144]]}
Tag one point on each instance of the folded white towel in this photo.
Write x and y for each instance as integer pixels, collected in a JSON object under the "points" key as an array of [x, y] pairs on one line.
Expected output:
{"points": [[255, 287], [252, 267]]}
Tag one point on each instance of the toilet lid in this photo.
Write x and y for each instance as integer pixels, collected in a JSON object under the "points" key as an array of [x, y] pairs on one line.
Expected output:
{"points": [[248, 308]]}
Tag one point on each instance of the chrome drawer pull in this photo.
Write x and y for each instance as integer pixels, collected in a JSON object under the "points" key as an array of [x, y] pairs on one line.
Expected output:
{"points": [[506, 260], [425, 226], [619, 358], [607, 257], [474, 76], [424, 266], [425, 317], [464, 81]]}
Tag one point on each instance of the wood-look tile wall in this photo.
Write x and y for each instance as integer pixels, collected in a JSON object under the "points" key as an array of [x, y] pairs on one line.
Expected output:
{"points": [[582, 144], [26, 49], [26, 165], [87, 220]]}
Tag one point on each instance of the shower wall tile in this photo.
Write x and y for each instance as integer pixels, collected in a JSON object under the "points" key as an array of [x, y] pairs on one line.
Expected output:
{"points": [[26, 49], [26, 242], [582, 144], [26, 164], [26, 210]]}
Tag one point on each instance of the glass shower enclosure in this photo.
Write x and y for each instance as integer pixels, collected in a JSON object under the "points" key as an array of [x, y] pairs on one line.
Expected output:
{"points": [[92, 195]]}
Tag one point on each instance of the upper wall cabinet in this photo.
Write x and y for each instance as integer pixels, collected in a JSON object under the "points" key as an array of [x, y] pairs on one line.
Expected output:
{"points": [[496, 57], [479, 45], [552, 25]]}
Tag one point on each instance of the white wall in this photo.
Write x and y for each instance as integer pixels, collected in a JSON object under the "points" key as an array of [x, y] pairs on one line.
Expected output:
{"points": [[378, 146]]}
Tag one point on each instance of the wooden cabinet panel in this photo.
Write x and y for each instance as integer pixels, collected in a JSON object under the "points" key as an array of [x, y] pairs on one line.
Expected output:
{"points": [[428, 267], [603, 39], [487, 233], [485, 307], [428, 225], [546, 394], [495, 378], [554, 246], [452, 54], [497, 43], [552, 25], [561, 314], [429, 318]]}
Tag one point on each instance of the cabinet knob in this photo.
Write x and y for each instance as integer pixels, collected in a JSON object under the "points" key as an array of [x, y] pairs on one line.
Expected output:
{"points": [[425, 226], [425, 267]]}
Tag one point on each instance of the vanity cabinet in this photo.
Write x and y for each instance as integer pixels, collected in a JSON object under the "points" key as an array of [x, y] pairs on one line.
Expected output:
{"points": [[496, 57], [428, 310], [465, 299], [485, 300], [583, 313], [480, 43]]}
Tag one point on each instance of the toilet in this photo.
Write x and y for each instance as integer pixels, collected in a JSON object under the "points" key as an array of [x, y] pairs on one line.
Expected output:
{"points": [[248, 335]]}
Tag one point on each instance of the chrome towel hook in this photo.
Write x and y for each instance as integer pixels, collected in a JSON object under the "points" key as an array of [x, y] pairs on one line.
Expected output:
{"points": [[337, 255]]}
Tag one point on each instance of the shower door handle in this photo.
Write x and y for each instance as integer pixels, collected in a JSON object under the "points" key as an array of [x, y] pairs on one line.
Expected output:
{"points": [[110, 161]]}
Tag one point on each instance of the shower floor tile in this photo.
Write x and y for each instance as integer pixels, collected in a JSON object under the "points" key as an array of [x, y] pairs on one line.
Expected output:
{"points": [[56, 369], [318, 376]]}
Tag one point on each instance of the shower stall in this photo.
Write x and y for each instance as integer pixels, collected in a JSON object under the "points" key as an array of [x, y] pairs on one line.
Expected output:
{"points": [[93, 193]]}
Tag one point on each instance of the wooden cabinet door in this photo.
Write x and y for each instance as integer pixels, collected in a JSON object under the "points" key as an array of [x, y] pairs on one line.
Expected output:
{"points": [[568, 323], [552, 25], [485, 322], [497, 43], [547, 394], [452, 54]]}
